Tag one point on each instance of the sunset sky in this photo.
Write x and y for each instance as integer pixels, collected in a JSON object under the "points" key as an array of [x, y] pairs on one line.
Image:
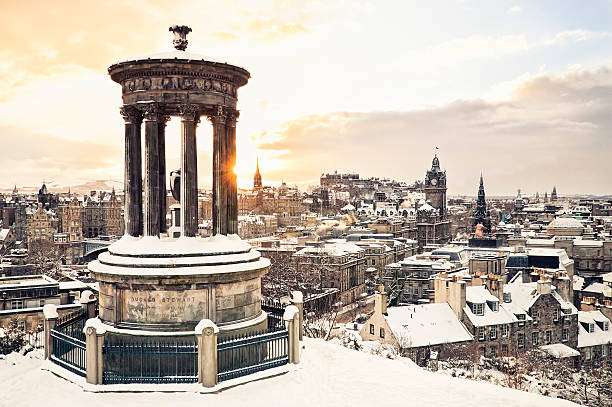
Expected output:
{"points": [[520, 90]]}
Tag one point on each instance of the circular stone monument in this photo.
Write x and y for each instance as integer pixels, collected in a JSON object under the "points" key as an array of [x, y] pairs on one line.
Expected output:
{"points": [[148, 280]]}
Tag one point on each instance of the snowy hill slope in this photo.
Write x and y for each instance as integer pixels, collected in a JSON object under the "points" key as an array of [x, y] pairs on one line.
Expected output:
{"points": [[330, 375]]}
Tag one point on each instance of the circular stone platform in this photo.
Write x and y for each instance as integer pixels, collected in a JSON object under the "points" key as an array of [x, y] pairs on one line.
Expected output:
{"points": [[151, 283]]}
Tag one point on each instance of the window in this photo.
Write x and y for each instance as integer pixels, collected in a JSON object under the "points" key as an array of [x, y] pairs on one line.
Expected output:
{"points": [[591, 328], [495, 306], [371, 329], [534, 315], [548, 337], [41, 303], [564, 334], [493, 333], [481, 333], [382, 332], [606, 325], [17, 304], [534, 338], [478, 309], [504, 349], [587, 353], [493, 351], [556, 315], [504, 331], [521, 318], [604, 351], [521, 339]]}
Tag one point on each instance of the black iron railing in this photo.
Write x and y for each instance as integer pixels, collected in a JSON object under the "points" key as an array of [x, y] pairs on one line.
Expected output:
{"points": [[275, 311], [141, 360], [69, 352], [241, 356]]}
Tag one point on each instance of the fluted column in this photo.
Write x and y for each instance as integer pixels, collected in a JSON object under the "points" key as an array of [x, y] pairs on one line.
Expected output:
{"points": [[189, 170], [232, 186], [133, 171], [163, 226], [151, 204], [219, 204]]}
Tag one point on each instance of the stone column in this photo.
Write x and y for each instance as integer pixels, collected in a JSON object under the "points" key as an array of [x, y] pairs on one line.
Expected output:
{"points": [[133, 171], [292, 320], [219, 205], [297, 299], [189, 170], [88, 303], [163, 226], [50, 314], [232, 186], [206, 334], [151, 205], [94, 332]]}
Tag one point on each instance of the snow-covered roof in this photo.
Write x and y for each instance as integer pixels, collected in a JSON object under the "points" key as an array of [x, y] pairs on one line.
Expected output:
{"points": [[560, 350], [481, 295], [598, 288], [565, 223], [598, 321], [524, 295], [428, 324]]}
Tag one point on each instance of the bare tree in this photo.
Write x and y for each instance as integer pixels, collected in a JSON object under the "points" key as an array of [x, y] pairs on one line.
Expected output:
{"points": [[45, 258]]}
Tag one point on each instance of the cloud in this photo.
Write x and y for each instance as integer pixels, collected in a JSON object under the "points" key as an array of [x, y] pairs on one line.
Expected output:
{"points": [[553, 130], [514, 10], [34, 156], [274, 29]]}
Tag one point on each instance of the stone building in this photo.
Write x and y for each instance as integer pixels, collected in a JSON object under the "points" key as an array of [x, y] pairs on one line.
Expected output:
{"points": [[416, 330], [70, 216], [24, 296], [41, 225], [527, 316], [102, 215], [410, 281], [432, 228], [435, 187], [594, 338], [334, 265]]}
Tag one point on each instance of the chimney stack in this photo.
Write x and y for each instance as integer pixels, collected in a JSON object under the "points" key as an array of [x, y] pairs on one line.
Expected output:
{"points": [[380, 301], [544, 287], [457, 297]]}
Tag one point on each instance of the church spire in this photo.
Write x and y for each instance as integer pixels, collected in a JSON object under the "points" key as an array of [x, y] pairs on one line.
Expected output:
{"points": [[257, 177]]}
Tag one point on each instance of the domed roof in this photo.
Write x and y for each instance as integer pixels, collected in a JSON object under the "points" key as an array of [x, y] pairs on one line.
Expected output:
{"points": [[565, 223]]}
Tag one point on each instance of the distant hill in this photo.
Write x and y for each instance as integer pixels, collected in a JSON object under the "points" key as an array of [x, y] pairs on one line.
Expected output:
{"points": [[81, 189]]}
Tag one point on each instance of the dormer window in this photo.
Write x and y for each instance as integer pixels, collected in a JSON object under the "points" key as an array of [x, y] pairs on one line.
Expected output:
{"points": [[507, 297], [478, 309], [606, 325], [591, 328], [494, 306], [534, 315]]}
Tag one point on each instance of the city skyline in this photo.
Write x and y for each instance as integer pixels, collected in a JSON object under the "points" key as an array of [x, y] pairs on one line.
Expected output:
{"points": [[512, 89]]}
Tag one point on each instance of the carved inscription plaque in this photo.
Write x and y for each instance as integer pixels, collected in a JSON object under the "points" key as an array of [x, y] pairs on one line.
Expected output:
{"points": [[164, 306]]}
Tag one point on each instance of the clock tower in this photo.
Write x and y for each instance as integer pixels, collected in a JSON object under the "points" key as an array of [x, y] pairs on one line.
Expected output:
{"points": [[435, 187]]}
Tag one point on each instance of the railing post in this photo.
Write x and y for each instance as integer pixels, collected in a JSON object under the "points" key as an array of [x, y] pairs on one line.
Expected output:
{"points": [[292, 320], [50, 314], [206, 333], [297, 299], [88, 302], [94, 340]]}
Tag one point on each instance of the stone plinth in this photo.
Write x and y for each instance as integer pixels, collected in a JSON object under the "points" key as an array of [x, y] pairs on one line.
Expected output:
{"points": [[150, 283]]}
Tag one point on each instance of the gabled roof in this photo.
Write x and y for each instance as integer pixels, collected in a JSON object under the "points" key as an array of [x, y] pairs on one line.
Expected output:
{"points": [[598, 336], [480, 295], [428, 324]]}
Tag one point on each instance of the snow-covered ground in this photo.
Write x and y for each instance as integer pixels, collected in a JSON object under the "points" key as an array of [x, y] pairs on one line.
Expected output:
{"points": [[329, 375]]}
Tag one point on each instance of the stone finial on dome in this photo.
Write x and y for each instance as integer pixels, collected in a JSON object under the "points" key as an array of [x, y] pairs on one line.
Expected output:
{"points": [[180, 36]]}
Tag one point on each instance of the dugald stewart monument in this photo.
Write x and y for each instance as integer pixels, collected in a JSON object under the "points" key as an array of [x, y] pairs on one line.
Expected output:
{"points": [[149, 280]]}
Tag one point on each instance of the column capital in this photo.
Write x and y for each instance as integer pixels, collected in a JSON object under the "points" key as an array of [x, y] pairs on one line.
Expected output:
{"points": [[151, 111], [130, 114], [189, 112], [232, 116]]}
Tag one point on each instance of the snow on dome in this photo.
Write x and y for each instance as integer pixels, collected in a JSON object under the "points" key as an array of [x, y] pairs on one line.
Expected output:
{"points": [[565, 223]]}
